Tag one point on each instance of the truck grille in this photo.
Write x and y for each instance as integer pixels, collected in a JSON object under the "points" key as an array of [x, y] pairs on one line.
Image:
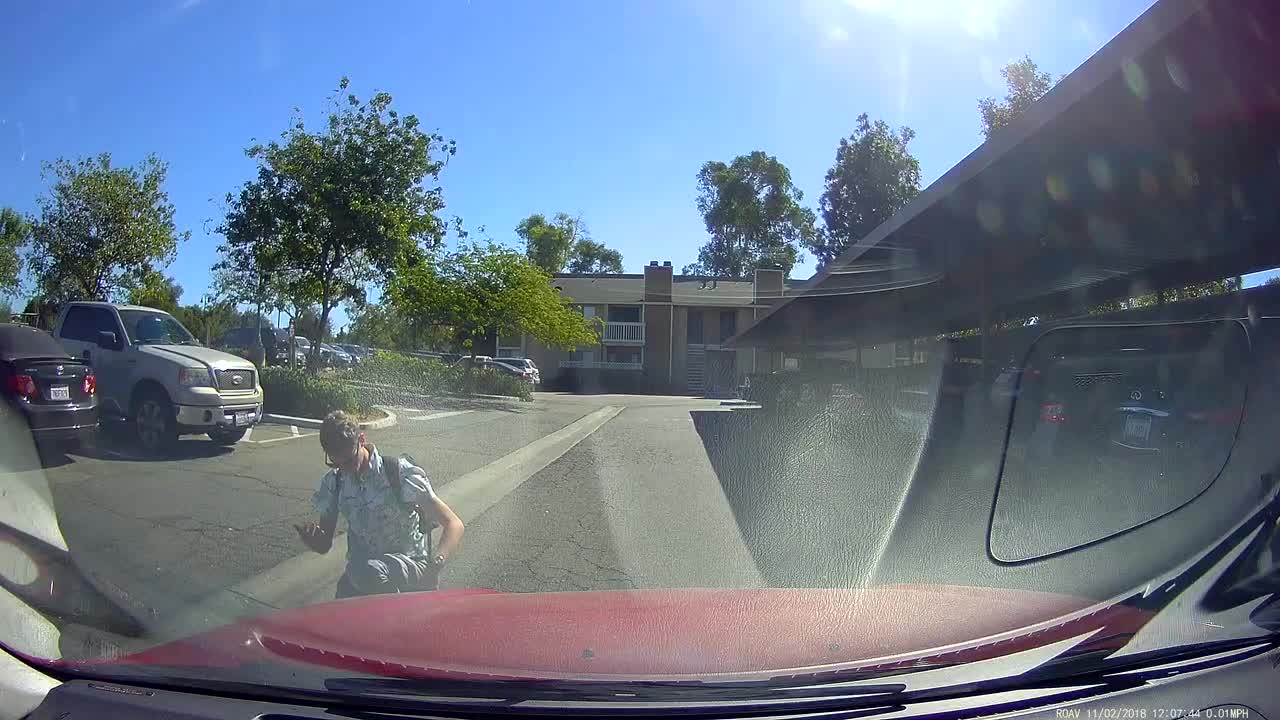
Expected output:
{"points": [[235, 379]]}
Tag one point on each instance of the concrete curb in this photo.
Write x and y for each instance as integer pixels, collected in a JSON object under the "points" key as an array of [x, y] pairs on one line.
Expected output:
{"points": [[385, 422], [310, 577]]}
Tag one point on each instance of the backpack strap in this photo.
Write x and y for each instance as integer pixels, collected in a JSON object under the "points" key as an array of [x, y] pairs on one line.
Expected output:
{"points": [[391, 469]]}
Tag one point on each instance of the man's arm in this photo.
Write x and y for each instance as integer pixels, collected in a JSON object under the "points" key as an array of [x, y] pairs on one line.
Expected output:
{"points": [[448, 520]]}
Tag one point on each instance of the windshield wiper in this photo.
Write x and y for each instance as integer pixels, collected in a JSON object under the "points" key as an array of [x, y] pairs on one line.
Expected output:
{"points": [[1080, 675], [882, 696]]}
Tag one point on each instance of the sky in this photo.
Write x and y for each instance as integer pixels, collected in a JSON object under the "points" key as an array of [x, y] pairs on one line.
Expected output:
{"points": [[601, 109]]}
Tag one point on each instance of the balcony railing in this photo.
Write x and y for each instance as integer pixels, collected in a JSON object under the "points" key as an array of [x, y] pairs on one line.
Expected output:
{"points": [[623, 333], [600, 365]]}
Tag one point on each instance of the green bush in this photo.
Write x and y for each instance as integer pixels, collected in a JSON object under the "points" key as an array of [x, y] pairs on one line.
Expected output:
{"points": [[294, 392], [432, 377]]}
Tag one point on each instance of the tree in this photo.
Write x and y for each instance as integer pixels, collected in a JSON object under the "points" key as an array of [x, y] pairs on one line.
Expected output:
{"points": [[101, 228], [486, 289], [565, 243], [874, 176], [334, 210], [308, 324], [1026, 83], [157, 291], [590, 256], [753, 213], [15, 232], [208, 320]]}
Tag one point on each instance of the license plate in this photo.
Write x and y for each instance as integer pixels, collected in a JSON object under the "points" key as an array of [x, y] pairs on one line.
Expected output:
{"points": [[59, 392], [1137, 428], [242, 418]]}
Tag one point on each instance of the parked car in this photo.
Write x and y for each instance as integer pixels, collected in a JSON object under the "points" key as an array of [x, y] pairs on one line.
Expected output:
{"points": [[335, 356], [240, 341], [473, 361], [357, 353], [525, 365], [55, 393], [152, 372], [301, 350]]}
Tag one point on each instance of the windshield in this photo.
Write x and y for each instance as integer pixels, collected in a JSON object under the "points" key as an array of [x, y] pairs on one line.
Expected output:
{"points": [[649, 342], [144, 327]]}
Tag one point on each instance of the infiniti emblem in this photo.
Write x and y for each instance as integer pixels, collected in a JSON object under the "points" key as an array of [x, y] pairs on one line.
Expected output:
{"points": [[1135, 395], [58, 369], [235, 379]]}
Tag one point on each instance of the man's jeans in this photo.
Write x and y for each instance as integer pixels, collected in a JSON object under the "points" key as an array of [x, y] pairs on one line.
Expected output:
{"points": [[390, 573]]}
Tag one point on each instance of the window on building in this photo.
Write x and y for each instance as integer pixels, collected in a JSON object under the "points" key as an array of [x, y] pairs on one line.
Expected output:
{"points": [[693, 334], [624, 313], [624, 355], [728, 324]]}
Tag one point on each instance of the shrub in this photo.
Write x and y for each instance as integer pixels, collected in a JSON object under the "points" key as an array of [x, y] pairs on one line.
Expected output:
{"points": [[432, 377], [294, 392]]}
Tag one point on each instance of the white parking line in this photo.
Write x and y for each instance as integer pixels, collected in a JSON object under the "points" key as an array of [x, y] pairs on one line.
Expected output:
{"points": [[437, 416], [247, 434], [293, 429], [286, 437]]}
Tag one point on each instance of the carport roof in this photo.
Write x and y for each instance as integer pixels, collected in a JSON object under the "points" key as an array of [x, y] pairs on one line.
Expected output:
{"points": [[1155, 164]]}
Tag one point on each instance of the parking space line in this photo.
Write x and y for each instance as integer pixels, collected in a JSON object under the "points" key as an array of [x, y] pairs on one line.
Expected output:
{"points": [[286, 437], [293, 430], [438, 415], [248, 433]]}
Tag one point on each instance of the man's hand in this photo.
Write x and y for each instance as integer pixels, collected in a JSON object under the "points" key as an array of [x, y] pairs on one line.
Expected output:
{"points": [[315, 537]]}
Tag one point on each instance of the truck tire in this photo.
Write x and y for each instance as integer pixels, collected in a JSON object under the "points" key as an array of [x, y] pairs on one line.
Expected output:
{"points": [[226, 437], [154, 424]]}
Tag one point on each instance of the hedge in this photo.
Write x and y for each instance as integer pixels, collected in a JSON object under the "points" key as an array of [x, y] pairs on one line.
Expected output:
{"points": [[294, 392], [433, 377]]}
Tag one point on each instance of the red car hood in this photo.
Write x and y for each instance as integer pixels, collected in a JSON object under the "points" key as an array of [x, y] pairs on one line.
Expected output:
{"points": [[645, 634]]}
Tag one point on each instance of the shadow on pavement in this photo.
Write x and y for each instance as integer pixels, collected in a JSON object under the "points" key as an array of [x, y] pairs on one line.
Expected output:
{"points": [[115, 443], [813, 493]]}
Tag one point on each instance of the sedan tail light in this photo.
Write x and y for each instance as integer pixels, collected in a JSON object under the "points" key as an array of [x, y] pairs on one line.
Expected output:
{"points": [[24, 386], [90, 384], [1053, 413]]}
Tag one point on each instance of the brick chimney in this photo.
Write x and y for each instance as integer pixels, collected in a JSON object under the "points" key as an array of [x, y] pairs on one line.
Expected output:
{"points": [[657, 282], [767, 287]]}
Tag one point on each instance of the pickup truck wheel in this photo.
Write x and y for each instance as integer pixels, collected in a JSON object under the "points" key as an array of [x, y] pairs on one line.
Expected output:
{"points": [[154, 424], [226, 437]]}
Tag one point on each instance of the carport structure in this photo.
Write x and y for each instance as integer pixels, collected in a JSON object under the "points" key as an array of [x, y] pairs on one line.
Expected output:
{"points": [[1156, 164]]}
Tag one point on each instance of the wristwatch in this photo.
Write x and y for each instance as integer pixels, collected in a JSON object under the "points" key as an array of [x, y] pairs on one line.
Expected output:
{"points": [[438, 561]]}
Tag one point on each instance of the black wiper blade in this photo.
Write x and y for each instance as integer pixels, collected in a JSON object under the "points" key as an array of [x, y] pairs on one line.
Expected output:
{"points": [[684, 693]]}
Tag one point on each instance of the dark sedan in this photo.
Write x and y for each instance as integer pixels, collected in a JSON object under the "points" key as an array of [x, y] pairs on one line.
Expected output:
{"points": [[55, 393]]}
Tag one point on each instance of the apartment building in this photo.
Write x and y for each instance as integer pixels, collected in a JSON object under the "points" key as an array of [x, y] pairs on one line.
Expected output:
{"points": [[662, 332]]}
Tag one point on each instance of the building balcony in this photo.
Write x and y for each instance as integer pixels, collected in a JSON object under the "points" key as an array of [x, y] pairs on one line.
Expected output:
{"points": [[600, 365], [623, 333]]}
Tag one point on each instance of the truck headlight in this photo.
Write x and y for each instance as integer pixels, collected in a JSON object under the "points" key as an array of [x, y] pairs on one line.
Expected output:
{"points": [[195, 377]]}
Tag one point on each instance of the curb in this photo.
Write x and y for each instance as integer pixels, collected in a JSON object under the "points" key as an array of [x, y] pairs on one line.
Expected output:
{"points": [[385, 422]]}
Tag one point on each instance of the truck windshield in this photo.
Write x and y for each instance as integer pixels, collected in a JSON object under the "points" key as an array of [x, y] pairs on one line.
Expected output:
{"points": [[155, 328]]}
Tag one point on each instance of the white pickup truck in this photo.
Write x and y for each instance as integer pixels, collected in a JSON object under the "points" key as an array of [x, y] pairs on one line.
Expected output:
{"points": [[154, 374]]}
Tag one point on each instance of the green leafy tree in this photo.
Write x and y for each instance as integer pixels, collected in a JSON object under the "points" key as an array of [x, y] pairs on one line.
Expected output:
{"points": [[590, 256], [157, 291], [483, 289], [754, 215], [336, 209], [15, 233], [565, 243], [208, 320], [874, 176], [101, 227], [1026, 84]]}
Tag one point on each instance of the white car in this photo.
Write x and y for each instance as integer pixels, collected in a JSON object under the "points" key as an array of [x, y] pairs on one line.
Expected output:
{"points": [[153, 373], [524, 365]]}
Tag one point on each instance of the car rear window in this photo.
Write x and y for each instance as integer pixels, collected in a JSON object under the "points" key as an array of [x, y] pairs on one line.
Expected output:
{"points": [[22, 341], [1125, 424]]}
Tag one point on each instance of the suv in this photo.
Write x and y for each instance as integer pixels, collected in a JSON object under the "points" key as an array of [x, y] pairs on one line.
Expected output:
{"points": [[151, 371], [240, 342], [524, 365]]}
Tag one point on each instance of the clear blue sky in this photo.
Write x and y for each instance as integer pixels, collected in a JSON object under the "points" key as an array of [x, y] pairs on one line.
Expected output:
{"points": [[601, 108]]}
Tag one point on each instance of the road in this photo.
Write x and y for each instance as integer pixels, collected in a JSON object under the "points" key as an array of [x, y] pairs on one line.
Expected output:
{"points": [[665, 492]]}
